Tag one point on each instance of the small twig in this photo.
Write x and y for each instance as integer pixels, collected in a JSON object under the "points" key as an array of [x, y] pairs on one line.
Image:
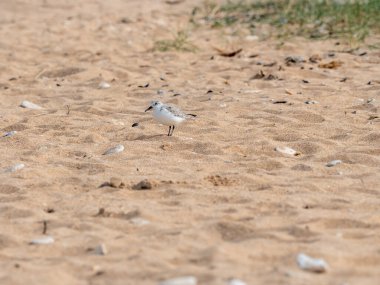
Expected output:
{"points": [[68, 109], [44, 230]]}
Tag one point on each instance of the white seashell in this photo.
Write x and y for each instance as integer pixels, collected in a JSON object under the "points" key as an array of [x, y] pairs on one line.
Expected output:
{"points": [[139, 221], [186, 280], [308, 263], [236, 282], [104, 85], [43, 240], [251, 38], [100, 249], [116, 149], [286, 150], [251, 91], [16, 167], [333, 163], [9, 134], [30, 105]]}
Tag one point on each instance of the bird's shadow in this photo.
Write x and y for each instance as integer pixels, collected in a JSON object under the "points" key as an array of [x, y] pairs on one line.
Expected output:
{"points": [[145, 137]]}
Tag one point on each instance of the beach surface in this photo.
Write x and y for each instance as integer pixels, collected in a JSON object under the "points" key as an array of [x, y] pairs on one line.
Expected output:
{"points": [[218, 199]]}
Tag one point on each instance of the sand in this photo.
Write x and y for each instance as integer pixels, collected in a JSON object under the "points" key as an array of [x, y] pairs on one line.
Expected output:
{"points": [[222, 202]]}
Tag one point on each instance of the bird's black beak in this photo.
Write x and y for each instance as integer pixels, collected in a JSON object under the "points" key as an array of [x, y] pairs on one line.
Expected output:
{"points": [[149, 108]]}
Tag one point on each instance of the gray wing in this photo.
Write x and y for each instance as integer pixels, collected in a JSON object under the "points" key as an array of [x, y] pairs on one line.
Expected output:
{"points": [[175, 111]]}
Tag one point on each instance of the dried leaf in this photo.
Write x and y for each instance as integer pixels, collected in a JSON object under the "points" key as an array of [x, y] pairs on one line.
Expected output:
{"points": [[331, 65], [228, 53], [315, 58]]}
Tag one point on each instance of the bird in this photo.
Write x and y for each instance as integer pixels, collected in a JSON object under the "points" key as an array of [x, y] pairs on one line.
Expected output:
{"points": [[168, 115]]}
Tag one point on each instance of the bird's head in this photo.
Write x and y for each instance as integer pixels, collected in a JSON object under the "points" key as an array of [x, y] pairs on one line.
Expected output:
{"points": [[154, 105]]}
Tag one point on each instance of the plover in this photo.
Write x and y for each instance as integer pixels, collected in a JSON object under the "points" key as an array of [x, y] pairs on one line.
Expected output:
{"points": [[168, 115]]}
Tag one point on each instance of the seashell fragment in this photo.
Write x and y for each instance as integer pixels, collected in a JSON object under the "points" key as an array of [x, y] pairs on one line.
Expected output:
{"points": [[43, 240], [16, 167], [104, 85], [333, 163], [30, 105], [9, 134], [139, 221], [308, 263], [100, 249], [287, 150], [118, 148], [186, 280], [234, 281]]}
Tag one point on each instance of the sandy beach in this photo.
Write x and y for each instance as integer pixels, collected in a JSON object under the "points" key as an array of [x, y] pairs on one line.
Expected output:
{"points": [[221, 202]]}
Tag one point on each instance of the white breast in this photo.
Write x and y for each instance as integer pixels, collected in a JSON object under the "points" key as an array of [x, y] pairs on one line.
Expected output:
{"points": [[167, 118]]}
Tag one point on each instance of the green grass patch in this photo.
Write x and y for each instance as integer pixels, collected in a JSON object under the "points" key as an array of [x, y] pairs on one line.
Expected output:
{"points": [[310, 18], [180, 42]]}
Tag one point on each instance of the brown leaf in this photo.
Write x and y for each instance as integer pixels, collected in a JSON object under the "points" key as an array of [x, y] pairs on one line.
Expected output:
{"points": [[259, 75], [288, 92], [228, 53], [315, 58], [331, 65]]}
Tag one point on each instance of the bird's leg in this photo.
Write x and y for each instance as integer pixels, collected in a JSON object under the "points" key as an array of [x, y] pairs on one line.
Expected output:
{"points": [[172, 130], [170, 127]]}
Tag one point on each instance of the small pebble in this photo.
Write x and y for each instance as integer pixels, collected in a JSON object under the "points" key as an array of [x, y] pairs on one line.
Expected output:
{"points": [[104, 85], [135, 125], [100, 249], [30, 105], [333, 163], [9, 134], [16, 167], [308, 263], [116, 182], [43, 240], [311, 102], [370, 100], [280, 101], [160, 92], [116, 149], [143, 185], [290, 60], [186, 280], [236, 282], [286, 150]]}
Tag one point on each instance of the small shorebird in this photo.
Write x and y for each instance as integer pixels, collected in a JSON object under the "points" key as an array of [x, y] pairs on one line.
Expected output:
{"points": [[168, 115]]}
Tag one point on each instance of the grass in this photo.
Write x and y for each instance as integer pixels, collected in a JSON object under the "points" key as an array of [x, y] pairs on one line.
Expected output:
{"points": [[180, 42], [310, 18]]}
